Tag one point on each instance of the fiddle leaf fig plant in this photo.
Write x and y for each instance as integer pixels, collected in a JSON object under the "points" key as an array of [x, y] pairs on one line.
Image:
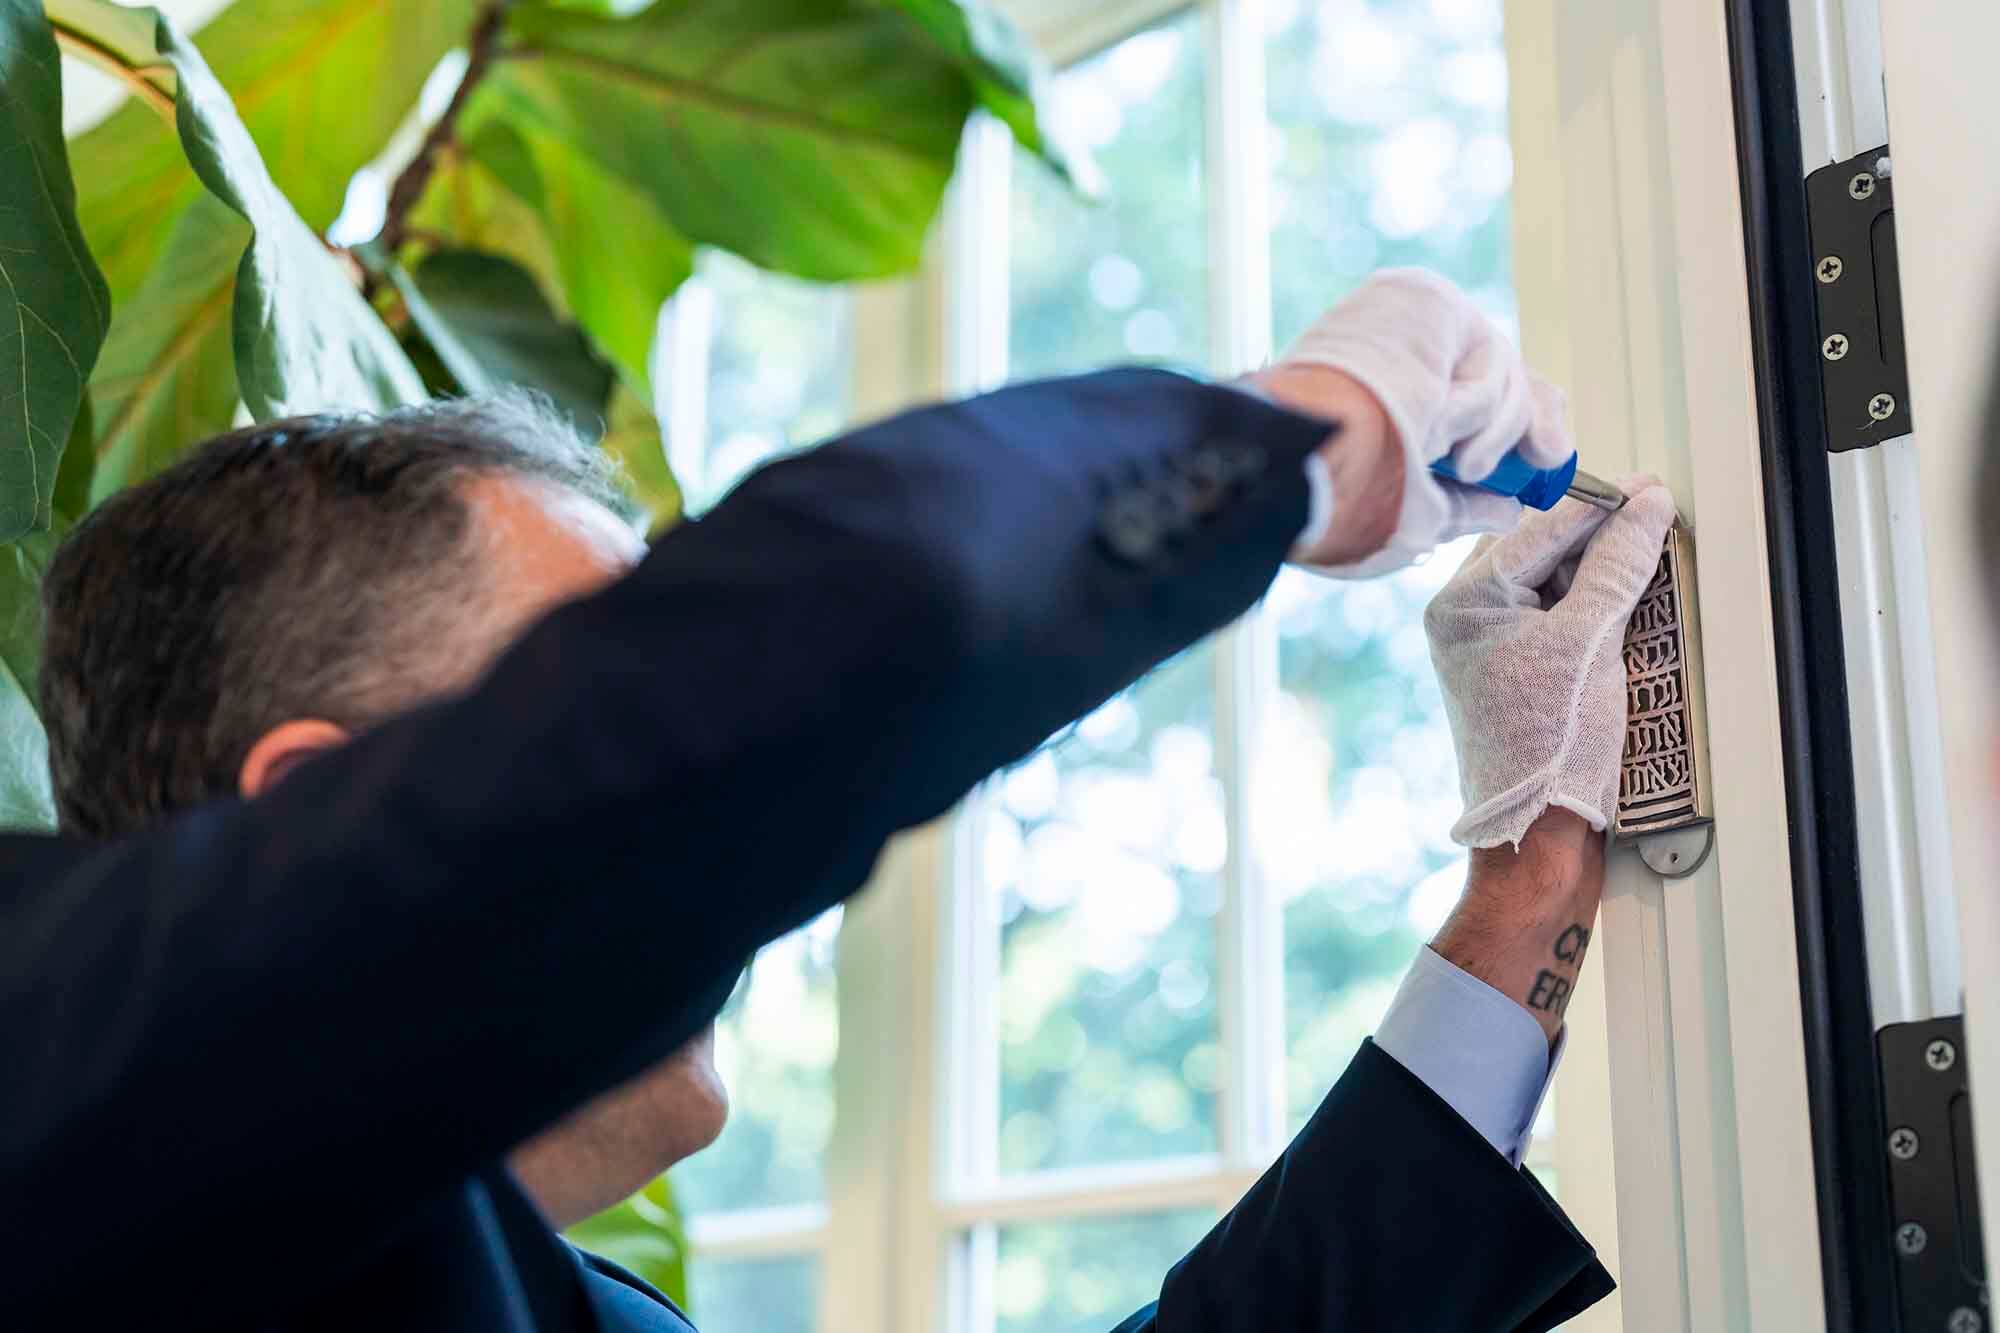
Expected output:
{"points": [[170, 267]]}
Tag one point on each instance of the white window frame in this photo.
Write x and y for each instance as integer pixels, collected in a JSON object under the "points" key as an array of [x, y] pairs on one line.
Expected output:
{"points": [[914, 1196], [1685, 1068]]}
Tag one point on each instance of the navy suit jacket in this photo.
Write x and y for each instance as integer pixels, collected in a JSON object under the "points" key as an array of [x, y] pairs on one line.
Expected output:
{"points": [[262, 1063]]}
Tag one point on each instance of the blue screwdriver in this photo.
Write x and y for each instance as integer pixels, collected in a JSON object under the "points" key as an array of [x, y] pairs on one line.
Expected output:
{"points": [[1540, 488]]}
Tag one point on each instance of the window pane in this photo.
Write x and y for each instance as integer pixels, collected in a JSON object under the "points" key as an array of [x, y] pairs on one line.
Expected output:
{"points": [[1389, 130], [1106, 849], [1121, 279], [1106, 846], [1359, 774], [1087, 1276], [767, 1295], [781, 367], [774, 1047], [1389, 144]]}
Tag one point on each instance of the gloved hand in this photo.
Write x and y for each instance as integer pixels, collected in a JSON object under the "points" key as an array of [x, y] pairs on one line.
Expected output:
{"points": [[1450, 384], [1528, 642]]}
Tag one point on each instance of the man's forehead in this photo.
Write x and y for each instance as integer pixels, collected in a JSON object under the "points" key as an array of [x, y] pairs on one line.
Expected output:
{"points": [[539, 515]]}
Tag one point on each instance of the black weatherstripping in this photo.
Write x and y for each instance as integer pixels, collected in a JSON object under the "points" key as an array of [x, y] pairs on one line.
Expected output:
{"points": [[1841, 1078]]}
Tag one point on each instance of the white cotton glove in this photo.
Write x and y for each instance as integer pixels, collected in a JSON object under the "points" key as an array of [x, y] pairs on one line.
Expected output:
{"points": [[1451, 384], [1528, 641]]}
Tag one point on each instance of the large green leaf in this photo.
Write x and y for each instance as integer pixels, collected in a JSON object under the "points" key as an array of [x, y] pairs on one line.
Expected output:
{"points": [[54, 306], [1008, 74], [167, 379], [520, 192], [483, 196], [79, 468], [26, 802], [305, 340], [490, 323], [645, 1235], [491, 313], [302, 337], [589, 214], [321, 85], [808, 136]]}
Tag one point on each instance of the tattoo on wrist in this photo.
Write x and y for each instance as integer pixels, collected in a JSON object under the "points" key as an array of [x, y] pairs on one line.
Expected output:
{"points": [[1551, 990]]}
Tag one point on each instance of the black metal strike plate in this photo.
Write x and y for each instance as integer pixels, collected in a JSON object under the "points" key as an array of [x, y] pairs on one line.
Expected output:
{"points": [[1864, 378], [1933, 1188]]}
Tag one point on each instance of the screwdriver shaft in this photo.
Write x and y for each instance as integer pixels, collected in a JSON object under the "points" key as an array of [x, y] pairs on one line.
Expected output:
{"points": [[1596, 491]]}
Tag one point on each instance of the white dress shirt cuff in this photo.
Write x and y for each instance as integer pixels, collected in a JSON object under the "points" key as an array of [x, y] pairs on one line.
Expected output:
{"points": [[1474, 1047], [1319, 505]]}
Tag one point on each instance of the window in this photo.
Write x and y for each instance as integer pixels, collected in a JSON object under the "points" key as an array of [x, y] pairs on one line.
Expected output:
{"points": [[1101, 996], [1102, 856], [757, 365], [1282, 793]]}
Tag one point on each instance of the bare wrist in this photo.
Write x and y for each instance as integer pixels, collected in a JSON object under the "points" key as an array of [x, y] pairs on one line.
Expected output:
{"points": [[1364, 459], [1527, 915]]}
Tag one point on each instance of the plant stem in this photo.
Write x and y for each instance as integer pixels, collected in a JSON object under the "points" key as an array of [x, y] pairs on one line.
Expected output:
{"points": [[82, 47], [481, 48]]}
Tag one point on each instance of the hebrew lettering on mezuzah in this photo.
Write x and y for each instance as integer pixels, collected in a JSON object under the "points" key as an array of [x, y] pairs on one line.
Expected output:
{"points": [[1663, 777]]}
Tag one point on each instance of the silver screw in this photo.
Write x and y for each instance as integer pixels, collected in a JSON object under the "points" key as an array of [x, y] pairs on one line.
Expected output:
{"points": [[1964, 1319], [1835, 346], [1882, 406], [1911, 1238], [1862, 185], [1830, 269], [1940, 1055], [1903, 1143]]}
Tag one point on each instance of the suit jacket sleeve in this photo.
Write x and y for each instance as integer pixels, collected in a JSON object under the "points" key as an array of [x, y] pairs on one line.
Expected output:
{"points": [[1388, 1211], [284, 1025]]}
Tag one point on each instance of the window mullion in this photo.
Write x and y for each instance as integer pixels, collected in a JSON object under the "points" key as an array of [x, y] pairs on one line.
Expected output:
{"points": [[976, 360], [977, 257], [1236, 185], [942, 1275], [1250, 944]]}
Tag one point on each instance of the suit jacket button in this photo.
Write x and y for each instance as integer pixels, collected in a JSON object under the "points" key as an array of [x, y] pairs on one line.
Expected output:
{"points": [[1211, 464], [1206, 478], [1130, 527], [1180, 502]]}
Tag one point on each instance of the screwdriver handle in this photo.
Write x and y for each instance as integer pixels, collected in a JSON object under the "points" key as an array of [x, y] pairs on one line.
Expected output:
{"points": [[1535, 487]]}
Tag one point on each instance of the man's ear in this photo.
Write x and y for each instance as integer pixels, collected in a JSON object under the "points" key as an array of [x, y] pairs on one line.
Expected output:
{"points": [[283, 748]]}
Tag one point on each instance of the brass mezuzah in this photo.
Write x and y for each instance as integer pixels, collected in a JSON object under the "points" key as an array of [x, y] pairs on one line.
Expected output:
{"points": [[1663, 776]]}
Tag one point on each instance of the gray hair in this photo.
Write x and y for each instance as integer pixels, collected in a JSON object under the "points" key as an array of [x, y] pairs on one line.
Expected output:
{"points": [[311, 567]]}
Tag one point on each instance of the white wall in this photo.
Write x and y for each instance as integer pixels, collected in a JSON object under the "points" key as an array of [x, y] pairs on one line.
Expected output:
{"points": [[1937, 58]]}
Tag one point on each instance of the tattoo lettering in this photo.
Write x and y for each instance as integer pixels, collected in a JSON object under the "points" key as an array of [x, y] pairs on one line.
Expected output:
{"points": [[1570, 944], [1550, 992]]}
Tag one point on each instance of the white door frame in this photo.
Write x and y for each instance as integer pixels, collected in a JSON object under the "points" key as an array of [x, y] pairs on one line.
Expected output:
{"points": [[1634, 291]]}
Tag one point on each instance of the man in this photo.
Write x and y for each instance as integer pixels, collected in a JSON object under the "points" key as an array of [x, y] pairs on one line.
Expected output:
{"points": [[345, 1001]]}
